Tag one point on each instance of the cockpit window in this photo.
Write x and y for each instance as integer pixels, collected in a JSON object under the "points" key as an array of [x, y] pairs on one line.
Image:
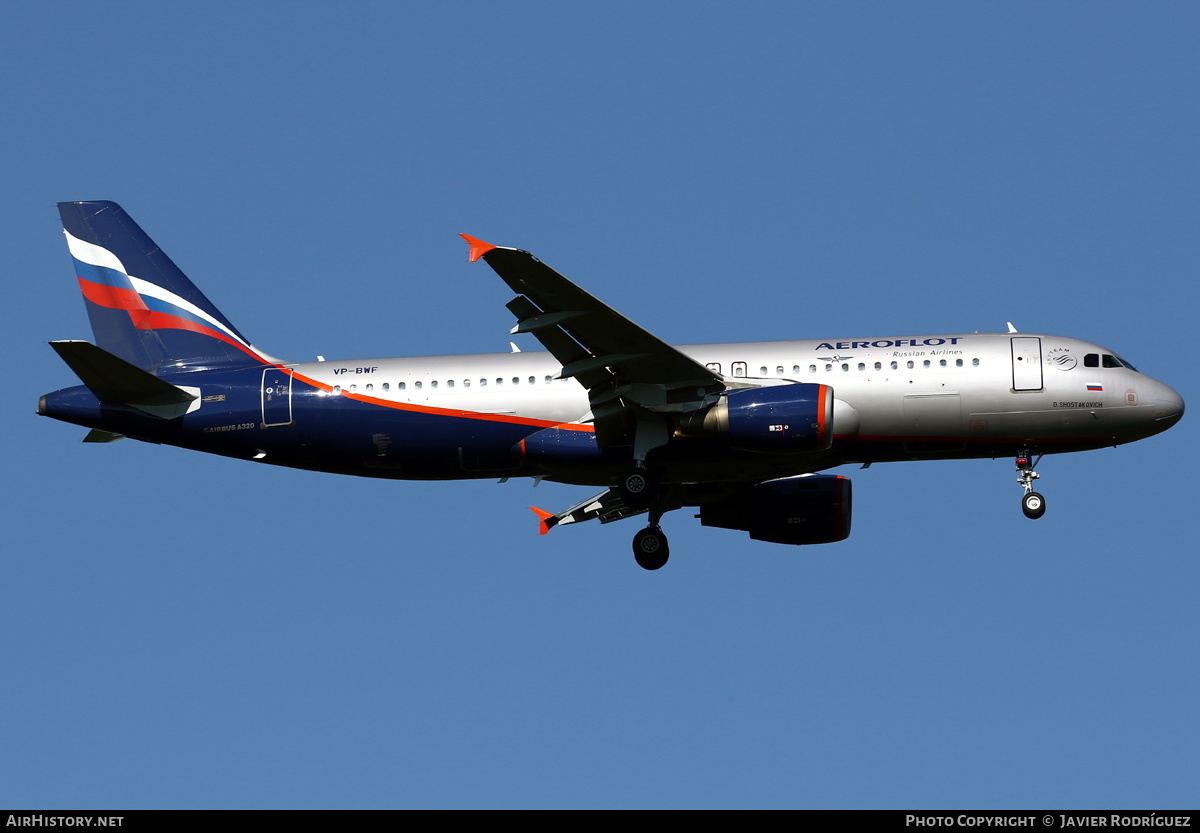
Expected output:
{"points": [[1116, 361], [1106, 360]]}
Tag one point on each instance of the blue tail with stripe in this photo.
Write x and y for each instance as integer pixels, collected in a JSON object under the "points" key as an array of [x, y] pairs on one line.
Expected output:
{"points": [[141, 306]]}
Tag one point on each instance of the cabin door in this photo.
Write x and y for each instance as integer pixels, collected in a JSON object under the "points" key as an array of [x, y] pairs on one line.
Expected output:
{"points": [[276, 397], [1027, 363]]}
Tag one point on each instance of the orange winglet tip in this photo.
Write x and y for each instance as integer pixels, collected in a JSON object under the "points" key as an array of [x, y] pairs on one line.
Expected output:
{"points": [[543, 519], [478, 247]]}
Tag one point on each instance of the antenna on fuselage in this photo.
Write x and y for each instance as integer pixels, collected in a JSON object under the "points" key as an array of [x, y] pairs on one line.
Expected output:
{"points": [[1011, 328]]}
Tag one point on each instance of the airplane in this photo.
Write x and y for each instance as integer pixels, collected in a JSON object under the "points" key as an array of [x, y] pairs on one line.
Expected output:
{"points": [[742, 432]]}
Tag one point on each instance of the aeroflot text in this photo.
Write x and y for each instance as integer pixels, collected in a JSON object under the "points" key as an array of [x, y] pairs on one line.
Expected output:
{"points": [[886, 342]]}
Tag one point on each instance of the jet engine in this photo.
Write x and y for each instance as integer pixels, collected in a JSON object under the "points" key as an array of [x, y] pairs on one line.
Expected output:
{"points": [[812, 509], [782, 418]]}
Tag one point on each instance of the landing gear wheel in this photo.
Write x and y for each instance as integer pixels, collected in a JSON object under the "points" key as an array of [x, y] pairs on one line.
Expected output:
{"points": [[650, 548], [636, 488], [1033, 505]]}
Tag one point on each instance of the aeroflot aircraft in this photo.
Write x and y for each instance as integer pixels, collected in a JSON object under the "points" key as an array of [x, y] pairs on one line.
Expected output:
{"points": [[737, 430]]}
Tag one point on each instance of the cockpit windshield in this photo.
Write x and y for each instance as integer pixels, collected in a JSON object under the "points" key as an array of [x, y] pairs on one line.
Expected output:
{"points": [[1106, 360]]}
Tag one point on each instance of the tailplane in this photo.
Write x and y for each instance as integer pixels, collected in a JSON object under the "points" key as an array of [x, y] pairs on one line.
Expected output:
{"points": [[143, 309]]}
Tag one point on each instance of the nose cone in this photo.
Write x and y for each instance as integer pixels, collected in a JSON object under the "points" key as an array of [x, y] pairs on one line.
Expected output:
{"points": [[1168, 407]]}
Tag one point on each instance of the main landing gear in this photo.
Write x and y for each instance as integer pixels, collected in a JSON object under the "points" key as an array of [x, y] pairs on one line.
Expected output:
{"points": [[638, 491], [650, 548], [636, 488], [1033, 504]]}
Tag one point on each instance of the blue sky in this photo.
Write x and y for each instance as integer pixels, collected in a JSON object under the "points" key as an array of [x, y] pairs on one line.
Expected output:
{"points": [[184, 631]]}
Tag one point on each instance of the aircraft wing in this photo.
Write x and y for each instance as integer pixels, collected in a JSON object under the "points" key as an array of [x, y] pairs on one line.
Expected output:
{"points": [[623, 366], [607, 506]]}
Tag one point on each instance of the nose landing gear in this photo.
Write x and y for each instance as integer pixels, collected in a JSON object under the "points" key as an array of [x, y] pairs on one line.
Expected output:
{"points": [[1033, 504]]}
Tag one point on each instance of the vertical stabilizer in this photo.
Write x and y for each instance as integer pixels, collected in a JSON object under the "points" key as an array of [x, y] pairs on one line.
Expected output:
{"points": [[141, 306]]}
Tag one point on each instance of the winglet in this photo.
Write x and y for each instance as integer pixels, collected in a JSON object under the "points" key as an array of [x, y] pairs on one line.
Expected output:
{"points": [[544, 518], [478, 247]]}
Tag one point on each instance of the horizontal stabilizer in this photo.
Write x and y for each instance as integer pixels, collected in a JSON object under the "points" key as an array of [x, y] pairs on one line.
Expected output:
{"points": [[116, 381], [98, 436]]}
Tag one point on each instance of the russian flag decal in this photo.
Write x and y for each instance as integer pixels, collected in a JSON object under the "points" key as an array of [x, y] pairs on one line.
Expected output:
{"points": [[1096, 387]]}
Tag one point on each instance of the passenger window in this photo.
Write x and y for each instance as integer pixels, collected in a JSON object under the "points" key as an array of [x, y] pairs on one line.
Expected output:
{"points": [[516, 380], [400, 386], [828, 368], [1091, 360], [533, 380], [910, 365], [845, 367], [942, 362], [958, 362], [337, 389], [433, 384], [449, 383], [385, 386], [466, 383], [779, 370], [739, 368], [895, 366], [416, 385], [548, 378], [499, 381], [927, 363], [795, 368], [762, 371], [353, 388], [878, 366], [812, 368], [483, 383], [974, 362], [370, 388]]}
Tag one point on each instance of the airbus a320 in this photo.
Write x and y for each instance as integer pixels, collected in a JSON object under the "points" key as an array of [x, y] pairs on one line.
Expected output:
{"points": [[742, 432]]}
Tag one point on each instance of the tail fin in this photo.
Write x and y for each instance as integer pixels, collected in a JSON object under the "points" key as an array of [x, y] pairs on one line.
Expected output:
{"points": [[142, 307]]}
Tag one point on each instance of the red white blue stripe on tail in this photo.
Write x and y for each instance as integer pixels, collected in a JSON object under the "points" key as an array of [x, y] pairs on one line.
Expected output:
{"points": [[141, 306]]}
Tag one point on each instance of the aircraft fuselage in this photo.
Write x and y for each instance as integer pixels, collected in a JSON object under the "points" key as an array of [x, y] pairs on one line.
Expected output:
{"points": [[451, 417]]}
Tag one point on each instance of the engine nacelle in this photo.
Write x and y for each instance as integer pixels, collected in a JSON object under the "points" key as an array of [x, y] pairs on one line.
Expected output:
{"points": [[782, 418], [796, 510]]}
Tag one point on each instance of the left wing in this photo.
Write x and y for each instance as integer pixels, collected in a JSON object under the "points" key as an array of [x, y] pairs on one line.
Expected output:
{"points": [[607, 506], [625, 369]]}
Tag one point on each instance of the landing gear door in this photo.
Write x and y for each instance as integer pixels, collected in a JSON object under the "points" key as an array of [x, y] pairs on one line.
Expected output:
{"points": [[1027, 363], [276, 397]]}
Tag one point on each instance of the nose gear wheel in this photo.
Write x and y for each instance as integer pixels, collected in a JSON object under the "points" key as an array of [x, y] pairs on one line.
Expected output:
{"points": [[1032, 504]]}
